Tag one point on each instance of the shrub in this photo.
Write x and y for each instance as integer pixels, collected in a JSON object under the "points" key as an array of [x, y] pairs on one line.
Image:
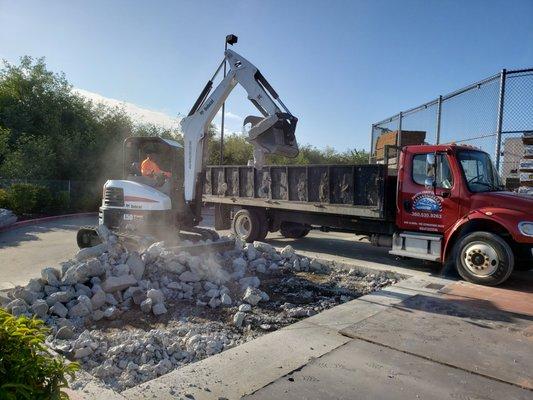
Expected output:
{"points": [[26, 198], [87, 202], [27, 368], [4, 199], [43, 199], [22, 198], [61, 201]]}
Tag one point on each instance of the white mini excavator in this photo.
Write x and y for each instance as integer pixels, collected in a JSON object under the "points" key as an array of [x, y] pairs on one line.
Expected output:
{"points": [[160, 205]]}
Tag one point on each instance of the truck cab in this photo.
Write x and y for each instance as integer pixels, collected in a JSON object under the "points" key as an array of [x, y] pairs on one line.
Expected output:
{"points": [[451, 207]]}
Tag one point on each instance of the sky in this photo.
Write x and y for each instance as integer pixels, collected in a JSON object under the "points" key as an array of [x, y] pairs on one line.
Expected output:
{"points": [[338, 65]]}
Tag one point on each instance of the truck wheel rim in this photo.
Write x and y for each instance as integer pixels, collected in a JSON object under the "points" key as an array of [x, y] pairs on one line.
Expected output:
{"points": [[480, 258], [243, 226]]}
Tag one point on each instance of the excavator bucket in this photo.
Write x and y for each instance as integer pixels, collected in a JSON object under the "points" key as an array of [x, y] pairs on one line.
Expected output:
{"points": [[272, 135]]}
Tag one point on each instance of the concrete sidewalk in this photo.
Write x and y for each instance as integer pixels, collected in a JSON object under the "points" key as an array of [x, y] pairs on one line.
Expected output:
{"points": [[406, 341]]}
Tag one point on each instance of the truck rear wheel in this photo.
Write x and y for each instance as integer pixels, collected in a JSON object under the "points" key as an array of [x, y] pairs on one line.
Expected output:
{"points": [[250, 225], [484, 258], [293, 230]]}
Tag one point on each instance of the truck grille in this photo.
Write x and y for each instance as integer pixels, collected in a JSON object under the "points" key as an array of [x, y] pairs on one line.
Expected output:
{"points": [[114, 197]]}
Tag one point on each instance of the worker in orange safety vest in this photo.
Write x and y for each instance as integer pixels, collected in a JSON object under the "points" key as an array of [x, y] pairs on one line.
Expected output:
{"points": [[150, 168]]}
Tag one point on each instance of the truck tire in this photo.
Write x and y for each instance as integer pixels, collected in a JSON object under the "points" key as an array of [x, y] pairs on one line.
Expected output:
{"points": [[483, 258], [249, 225], [293, 230]]}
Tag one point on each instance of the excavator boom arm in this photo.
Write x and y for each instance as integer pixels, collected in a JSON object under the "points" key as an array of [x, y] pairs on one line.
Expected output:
{"points": [[273, 133]]}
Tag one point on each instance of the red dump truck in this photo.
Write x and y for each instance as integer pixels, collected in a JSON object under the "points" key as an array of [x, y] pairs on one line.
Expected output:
{"points": [[441, 203]]}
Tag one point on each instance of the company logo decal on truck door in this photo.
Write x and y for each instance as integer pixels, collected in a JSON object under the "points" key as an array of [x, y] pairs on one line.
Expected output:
{"points": [[426, 202]]}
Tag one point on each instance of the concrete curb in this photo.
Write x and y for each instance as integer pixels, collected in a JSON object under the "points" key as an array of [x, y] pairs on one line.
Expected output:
{"points": [[45, 219]]}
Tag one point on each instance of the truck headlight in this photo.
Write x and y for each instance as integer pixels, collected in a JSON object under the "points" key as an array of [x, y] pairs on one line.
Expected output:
{"points": [[526, 228]]}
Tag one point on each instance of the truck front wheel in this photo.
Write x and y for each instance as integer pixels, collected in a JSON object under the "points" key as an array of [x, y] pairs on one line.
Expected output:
{"points": [[250, 225], [483, 258]]}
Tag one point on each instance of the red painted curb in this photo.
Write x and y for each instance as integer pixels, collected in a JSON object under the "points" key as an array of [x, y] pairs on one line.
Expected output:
{"points": [[45, 219]]}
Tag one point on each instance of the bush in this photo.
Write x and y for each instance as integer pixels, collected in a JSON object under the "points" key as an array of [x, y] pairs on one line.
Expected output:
{"points": [[26, 198], [4, 199], [43, 199], [27, 369], [87, 202], [61, 201], [22, 197]]}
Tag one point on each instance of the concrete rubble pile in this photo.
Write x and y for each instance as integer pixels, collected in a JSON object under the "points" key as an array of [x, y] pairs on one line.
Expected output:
{"points": [[86, 303], [7, 218]]}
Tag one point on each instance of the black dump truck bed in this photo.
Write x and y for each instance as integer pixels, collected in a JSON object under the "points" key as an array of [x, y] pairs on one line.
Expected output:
{"points": [[348, 190]]}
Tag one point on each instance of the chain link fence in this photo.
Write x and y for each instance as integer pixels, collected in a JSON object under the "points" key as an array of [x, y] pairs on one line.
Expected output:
{"points": [[494, 114]]}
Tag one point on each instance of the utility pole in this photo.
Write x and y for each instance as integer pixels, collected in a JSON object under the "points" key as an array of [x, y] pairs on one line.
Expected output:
{"points": [[230, 39]]}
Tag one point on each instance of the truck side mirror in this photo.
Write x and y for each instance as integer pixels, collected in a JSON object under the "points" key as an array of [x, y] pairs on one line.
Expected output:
{"points": [[431, 164]]}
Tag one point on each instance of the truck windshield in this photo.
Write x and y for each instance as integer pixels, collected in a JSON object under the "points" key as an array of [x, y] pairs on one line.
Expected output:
{"points": [[480, 174]]}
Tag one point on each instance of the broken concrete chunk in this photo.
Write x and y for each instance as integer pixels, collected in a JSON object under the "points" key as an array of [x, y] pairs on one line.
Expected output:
{"points": [[91, 252], [252, 296], [264, 247], [214, 302], [111, 312], [238, 318], [251, 252], [110, 299], [245, 307], [28, 296], [159, 309], [189, 276], [86, 301], [138, 296], [51, 276], [65, 333], [114, 283], [287, 252], [61, 296], [34, 285], [97, 315], [225, 299], [120, 269], [136, 265], [78, 310], [156, 295], [146, 306], [316, 266], [252, 281], [40, 308], [83, 352], [59, 309], [98, 299]]}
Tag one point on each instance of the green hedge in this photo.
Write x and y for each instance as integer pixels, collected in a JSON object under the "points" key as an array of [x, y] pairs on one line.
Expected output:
{"points": [[27, 369], [27, 198]]}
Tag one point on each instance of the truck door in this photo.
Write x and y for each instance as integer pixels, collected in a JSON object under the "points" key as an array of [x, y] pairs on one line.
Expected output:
{"points": [[423, 208]]}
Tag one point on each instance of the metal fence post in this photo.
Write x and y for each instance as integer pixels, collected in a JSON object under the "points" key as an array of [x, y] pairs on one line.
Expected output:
{"points": [[439, 113], [371, 144], [399, 136], [501, 101]]}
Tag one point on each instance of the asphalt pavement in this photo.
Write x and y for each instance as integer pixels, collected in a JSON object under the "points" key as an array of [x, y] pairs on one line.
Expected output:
{"points": [[24, 251]]}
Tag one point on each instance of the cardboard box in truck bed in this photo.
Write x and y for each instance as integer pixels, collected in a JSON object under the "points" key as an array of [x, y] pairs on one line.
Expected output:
{"points": [[389, 138]]}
